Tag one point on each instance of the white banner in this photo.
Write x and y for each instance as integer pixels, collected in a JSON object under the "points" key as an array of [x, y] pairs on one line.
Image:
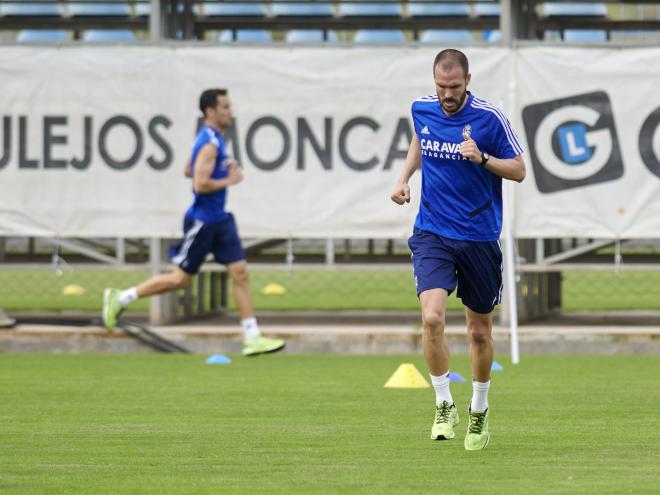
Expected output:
{"points": [[95, 138], [591, 120]]}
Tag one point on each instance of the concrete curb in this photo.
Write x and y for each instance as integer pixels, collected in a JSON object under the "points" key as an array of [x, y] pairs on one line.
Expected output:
{"points": [[339, 339]]}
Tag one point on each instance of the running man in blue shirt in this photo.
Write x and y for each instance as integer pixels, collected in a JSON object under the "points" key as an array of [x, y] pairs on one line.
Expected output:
{"points": [[465, 147], [207, 227]]}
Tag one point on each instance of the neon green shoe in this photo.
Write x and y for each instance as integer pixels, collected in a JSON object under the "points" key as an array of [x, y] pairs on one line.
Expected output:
{"points": [[478, 435], [262, 345], [446, 417], [111, 309]]}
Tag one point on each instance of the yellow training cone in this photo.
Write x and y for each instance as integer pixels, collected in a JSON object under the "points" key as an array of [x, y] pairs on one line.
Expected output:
{"points": [[407, 376], [73, 290], [273, 290]]}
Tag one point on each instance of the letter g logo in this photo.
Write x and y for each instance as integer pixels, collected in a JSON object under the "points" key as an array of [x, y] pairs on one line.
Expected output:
{"points": [[572, 142]]}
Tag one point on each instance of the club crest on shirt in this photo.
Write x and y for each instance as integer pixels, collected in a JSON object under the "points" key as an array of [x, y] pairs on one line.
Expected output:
{"points": [[467, 130]]}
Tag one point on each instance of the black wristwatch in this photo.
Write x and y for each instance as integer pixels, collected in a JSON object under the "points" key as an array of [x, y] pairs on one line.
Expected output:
{"points": [[484, 158]]}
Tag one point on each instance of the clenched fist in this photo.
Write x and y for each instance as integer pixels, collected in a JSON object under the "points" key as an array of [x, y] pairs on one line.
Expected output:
{"points": [[235, 174], [470, 150], [401, 193]]}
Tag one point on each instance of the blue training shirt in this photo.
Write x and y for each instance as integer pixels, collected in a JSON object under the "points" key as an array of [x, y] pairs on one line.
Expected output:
{"points": [[461, 199], [210, 207]]}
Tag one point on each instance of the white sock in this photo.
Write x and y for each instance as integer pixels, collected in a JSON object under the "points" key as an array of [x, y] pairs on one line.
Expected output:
{"points": [[441, 386], [479, 396], [127, 296], [250, 328]]}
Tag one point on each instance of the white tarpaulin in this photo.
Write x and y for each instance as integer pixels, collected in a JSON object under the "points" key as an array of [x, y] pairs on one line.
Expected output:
{"points": [[95, 139], [590, 119]]}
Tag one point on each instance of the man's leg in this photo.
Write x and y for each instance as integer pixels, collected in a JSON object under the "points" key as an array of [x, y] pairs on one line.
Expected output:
{"points": [[254, 342], [436, 353], [115, 301], [166, 282], [434, 343], [238, 272], [480, 332]]}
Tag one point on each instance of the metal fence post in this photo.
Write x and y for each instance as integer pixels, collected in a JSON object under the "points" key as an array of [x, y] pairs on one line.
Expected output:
{"points": [[329, 251], [162, 308], [5, 320]]}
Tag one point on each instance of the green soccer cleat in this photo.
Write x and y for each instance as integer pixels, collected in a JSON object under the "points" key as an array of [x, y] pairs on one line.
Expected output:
{"points": [[446, 417], [111, 309], [262, 345], [478, 435]]}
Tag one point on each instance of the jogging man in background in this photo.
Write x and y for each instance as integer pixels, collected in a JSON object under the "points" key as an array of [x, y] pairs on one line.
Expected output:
{"points": [[208, 228], [465, 147]]}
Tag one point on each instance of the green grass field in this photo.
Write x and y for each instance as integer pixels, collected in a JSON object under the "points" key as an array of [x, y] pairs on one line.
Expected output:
{"points": [[320, 290], [306, 290], [170, 424]]}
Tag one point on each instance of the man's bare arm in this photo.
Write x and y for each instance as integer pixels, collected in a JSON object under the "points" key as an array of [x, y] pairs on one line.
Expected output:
{"points": [[203, 183], [401, 193], [507, 168]]}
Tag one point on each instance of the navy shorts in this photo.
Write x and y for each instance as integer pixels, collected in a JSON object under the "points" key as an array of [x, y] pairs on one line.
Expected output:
{"points": [[442, 263], [219, 238]]}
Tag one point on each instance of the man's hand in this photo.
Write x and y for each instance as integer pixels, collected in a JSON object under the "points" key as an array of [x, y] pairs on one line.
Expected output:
{"points": [[470, 150], [401, 193], [235, 174]]}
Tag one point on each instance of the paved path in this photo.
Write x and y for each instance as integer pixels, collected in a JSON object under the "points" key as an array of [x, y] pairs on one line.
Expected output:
{"points": [[340, 338]]}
